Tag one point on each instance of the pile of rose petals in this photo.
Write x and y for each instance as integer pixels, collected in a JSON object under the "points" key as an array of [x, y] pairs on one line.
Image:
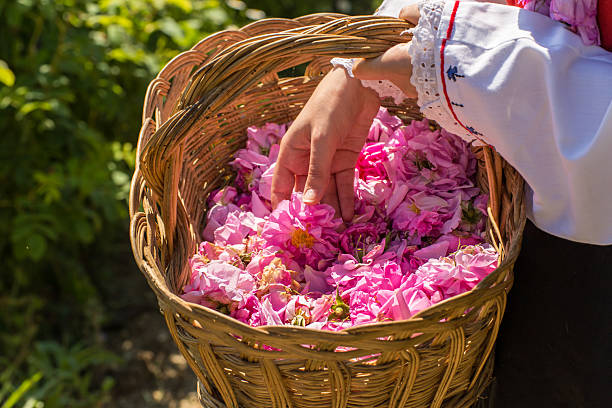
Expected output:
{"points": [[416, 238]]}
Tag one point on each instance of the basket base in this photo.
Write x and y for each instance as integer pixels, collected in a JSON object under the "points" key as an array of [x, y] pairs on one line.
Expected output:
{"points": [[479, 397]]}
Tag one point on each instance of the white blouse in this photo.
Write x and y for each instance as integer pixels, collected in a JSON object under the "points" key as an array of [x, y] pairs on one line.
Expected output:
{"points": [[528, 86]]}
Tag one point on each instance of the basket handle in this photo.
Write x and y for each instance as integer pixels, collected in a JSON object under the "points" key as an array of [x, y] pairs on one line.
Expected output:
{"points": [[242, 66]]}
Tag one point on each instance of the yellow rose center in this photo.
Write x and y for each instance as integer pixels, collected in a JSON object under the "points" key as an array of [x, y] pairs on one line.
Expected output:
{"points": [[248, 178], [301, 239], [415, 209]]}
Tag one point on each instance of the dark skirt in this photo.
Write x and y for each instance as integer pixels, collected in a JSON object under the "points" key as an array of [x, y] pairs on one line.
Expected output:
{"points": [[554, 344]]}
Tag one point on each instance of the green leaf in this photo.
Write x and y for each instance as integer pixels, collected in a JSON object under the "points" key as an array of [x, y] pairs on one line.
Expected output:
{"points": [[6, 75], [83, 230], [35, 246], [184, 5], [171, 28], [23, 388]]}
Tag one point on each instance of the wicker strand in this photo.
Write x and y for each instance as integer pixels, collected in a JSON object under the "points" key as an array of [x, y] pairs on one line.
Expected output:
{"points": [[496, 239], [213, 368], [457, 345], [405, 382], [276, 389], [339, 382], [493, 182], [499, 310], [190, 360]]}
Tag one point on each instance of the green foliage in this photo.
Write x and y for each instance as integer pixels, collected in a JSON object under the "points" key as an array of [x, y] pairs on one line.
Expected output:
{"points": [[25, 386], [292, 8], [72, 80], [81, 71], [63, 377]]}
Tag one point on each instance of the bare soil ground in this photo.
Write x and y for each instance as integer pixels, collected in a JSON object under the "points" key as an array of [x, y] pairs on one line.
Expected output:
{"points": [[153, 373]]}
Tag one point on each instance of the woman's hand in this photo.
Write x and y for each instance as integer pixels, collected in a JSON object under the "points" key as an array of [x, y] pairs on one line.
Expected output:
{"points": [[319, 152]]}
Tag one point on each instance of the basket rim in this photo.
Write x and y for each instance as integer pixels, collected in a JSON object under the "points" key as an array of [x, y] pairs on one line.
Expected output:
{"points": [[430, 315]]}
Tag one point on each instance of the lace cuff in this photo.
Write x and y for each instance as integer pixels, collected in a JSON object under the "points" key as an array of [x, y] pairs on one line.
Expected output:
{"points": [[422, 50], [424, 69], [384, 89]]}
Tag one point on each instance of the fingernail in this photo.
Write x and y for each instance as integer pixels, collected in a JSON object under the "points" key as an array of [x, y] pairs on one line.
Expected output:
{"points": [[310, 196]]}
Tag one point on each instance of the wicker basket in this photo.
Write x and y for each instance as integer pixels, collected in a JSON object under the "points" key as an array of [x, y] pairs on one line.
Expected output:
{"points": [[195, 115]]}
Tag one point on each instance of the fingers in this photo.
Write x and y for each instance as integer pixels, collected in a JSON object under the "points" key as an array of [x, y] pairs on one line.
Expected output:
{"points": [[300, 183], [346, 193], [319, 169], [331, 197], [343, 160], [410, 13], [282, 184], [292, 160]]}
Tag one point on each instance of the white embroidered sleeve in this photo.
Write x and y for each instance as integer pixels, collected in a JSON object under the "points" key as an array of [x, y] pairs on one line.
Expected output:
{"points": [[531, 88], [423, 50]]}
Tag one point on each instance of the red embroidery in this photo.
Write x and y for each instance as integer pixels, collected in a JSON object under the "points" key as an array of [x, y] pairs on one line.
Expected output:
{"points": [[449, 31], [448, 34]]}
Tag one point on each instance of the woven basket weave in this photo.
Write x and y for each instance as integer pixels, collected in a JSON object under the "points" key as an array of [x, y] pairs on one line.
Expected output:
{"points": [[195, 116]]}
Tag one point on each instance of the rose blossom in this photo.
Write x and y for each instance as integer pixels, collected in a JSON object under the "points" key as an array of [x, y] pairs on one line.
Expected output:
{"points": [[307, 232], [370, 163]]}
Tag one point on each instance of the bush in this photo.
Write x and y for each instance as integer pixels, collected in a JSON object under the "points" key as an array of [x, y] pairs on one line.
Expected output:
{"points": [[72, 82]]}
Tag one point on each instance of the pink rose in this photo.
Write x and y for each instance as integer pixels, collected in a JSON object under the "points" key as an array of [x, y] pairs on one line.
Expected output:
{"points": [[307, 232], [371, 162]]}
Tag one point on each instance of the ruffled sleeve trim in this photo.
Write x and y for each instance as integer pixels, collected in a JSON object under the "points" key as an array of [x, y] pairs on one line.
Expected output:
{"points": [[384, 89], [423, 51]]}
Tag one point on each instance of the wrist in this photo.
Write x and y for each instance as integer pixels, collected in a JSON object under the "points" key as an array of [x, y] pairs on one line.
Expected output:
{"points": [[382, 89], [354, 87]]}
